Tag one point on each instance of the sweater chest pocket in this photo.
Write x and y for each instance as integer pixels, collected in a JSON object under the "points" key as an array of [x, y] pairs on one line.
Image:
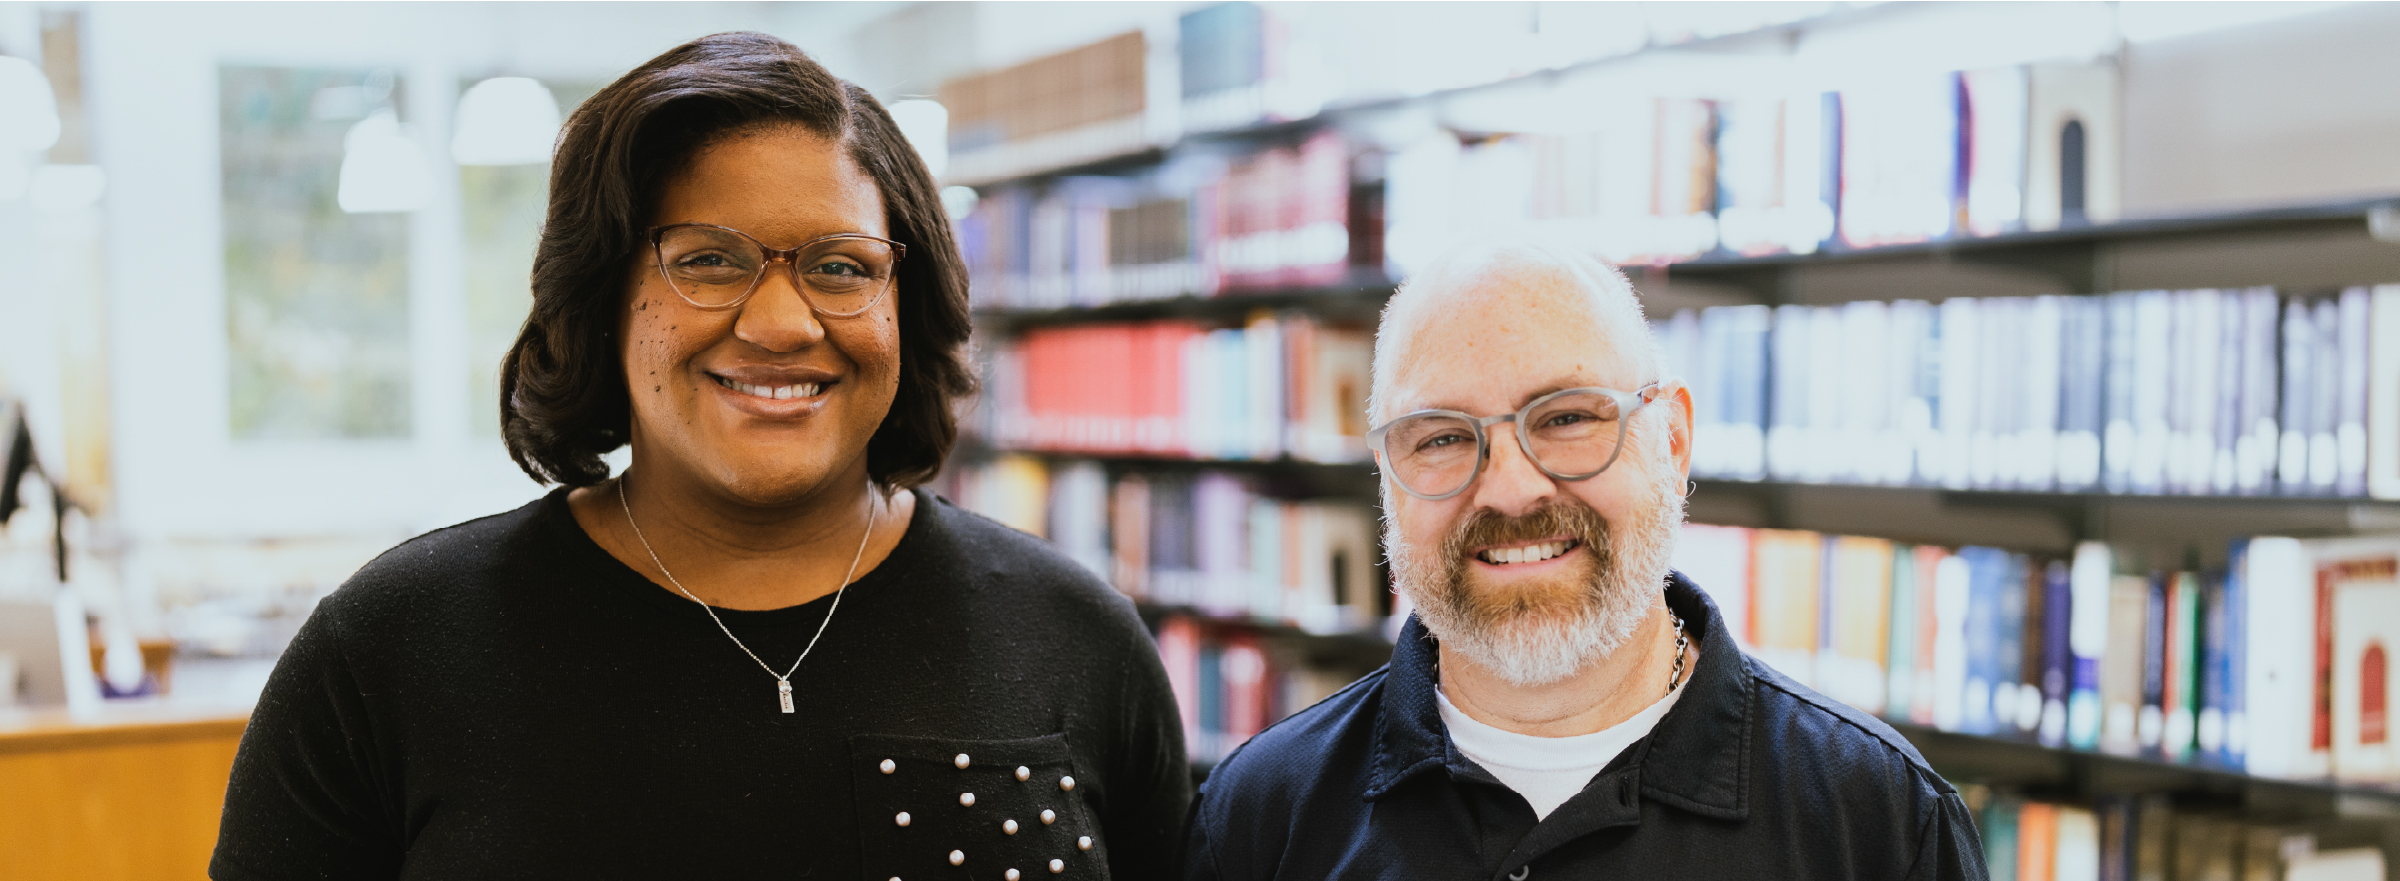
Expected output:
{"points": [[934, 809]]}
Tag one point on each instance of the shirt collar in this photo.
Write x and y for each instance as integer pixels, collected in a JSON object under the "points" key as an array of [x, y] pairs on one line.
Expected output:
{"points": [[1696, 759]]}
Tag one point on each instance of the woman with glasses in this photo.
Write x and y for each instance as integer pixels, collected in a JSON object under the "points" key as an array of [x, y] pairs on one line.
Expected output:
{"points": [[760, 650]]}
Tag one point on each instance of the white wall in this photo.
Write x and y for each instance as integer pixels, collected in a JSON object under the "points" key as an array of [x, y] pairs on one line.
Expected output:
{"points": [[2296, 110]]}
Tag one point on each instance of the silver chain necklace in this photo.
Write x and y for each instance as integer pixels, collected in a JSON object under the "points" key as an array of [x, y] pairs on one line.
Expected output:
{"points": [[1674, 677], [783, 680]]}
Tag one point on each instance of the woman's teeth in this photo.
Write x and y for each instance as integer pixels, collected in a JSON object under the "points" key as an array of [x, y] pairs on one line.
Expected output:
{"points": [[779, 392], [1534, 553]]}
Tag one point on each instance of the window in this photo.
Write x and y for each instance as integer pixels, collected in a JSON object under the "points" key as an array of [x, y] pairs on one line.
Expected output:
{"points": [[317, 317]]}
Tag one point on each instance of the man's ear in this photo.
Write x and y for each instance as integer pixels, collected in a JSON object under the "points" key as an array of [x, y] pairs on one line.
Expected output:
{"points": [[1679, 429]]}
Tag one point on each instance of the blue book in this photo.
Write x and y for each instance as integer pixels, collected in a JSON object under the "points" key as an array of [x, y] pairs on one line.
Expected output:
{"points": [[2236, 669], [2058, 603], [1987, 580], [2213, 734], [2010, 692]]}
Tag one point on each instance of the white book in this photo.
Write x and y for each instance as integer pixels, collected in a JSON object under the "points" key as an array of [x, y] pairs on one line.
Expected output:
{"points": [[2366, 630], [1263, 416], [2254, 454], [2043, 336], [2354, 864], [2383, 394], [2279, 626], [2299, 409], [2085, 97], [2193, 391], [1717, 558], [1996, 152], [2076, 856], [1743, 381], [1961, 387], [2226, 408], [1078, 521], [1995, 394], [2324, 424], [1907, 418], [1949, 642], [1865, 391], [2087, 640], [2153, 328], [1790, 348], [2083, 392], [2350, 428], [1824, 443], [2117, 436]]}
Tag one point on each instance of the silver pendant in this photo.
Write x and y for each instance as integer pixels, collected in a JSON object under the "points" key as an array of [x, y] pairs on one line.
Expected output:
{"points": [[783, 692]]}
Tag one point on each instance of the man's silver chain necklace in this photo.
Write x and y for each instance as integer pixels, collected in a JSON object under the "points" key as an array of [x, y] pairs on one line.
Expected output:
{"points": [[783, 680], [1682, 643]]}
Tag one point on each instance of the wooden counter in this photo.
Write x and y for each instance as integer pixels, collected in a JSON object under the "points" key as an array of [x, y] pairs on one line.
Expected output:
{"points": [[131, 792]]}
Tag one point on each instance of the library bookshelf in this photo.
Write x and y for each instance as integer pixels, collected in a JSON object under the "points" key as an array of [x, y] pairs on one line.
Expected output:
{"points": [[2186, 531]]}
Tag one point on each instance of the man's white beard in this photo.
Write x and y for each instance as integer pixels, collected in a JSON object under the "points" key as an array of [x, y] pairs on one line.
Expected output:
{"points": [[1523, 643]]}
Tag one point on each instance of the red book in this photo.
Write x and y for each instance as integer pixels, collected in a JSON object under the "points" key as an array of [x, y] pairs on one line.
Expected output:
{"points": [[1244, 668]]}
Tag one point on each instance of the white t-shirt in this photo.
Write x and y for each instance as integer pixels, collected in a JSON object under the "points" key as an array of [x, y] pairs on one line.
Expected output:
{"points": [[1547, 770]]}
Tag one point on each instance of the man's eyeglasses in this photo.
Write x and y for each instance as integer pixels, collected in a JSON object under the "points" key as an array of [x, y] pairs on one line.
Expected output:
{"points": [[1572, 434], [715, 267]]}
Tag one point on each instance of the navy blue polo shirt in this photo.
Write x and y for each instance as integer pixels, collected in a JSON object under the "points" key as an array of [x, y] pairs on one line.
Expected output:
{"points": [[1750, 775]]}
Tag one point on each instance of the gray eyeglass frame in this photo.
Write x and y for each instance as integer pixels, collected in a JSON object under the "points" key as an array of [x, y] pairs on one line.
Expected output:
{"points": [[1628, 404]]}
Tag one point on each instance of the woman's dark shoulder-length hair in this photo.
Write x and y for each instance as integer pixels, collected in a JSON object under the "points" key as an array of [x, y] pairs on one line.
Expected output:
{"points": [[563, 400]]}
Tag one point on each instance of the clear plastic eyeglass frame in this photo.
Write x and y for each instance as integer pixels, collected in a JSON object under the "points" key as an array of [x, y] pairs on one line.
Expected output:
{"points": [[788, 257], [1628, 404]]}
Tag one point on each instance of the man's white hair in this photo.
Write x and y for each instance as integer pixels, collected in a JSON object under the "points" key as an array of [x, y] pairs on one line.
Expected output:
{"points": [[1412, 308]]}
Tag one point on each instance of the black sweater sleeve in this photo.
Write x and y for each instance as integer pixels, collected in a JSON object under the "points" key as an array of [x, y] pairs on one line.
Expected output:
{"points": [[308, 797], [1146, 827]]}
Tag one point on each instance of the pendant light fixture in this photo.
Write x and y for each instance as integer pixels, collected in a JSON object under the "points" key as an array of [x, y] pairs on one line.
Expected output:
{"points": [[383, 169], [28, 123], [508, 120]]}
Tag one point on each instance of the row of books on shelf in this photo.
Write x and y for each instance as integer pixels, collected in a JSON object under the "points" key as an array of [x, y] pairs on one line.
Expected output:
{"points": [[1235, 64], [2276, 663], [1277, 386], [2215, 392], [1230, 686], [1642, 179], [1281, 217], [1206, 540], [2147, 838]]}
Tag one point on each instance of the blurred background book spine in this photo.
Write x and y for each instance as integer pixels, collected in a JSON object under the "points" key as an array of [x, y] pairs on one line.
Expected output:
{"points": [[2150, 392]]}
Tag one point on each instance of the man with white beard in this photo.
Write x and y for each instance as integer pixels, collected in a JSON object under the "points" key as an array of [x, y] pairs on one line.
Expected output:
{"points": [[1562, 705]]}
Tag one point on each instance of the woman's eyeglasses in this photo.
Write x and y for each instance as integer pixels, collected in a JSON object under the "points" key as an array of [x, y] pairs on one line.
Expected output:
{"points": [[715, 267]]}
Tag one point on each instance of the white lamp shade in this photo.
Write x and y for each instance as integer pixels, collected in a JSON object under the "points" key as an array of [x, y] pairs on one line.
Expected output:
{"points": [[28, 110], [382, 170], [926, 124], [509, 120]]}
